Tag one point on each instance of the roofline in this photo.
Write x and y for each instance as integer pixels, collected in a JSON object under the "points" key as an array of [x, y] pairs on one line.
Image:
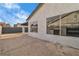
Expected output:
{"points": [[37, 8], [26, 23]]}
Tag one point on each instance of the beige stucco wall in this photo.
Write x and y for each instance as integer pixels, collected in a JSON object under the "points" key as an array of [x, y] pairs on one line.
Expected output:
{"points": [[49, 10]]}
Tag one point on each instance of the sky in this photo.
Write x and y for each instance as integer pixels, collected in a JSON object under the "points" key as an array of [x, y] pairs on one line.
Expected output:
{"points": [[13, 13]]}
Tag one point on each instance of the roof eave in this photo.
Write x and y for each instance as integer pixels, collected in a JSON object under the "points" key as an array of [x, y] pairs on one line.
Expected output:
{"points": [[37, 8]]}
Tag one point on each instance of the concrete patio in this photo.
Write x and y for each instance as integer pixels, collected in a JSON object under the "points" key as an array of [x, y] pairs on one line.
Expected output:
{"points": [[23, 45]]}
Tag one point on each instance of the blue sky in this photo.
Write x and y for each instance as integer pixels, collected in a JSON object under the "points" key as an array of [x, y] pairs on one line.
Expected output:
{"points": [[13, 13]]}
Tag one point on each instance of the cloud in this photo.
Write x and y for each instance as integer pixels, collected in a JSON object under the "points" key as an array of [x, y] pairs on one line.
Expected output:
{"points": [[11, 6], [22, 14], [13, 13]]}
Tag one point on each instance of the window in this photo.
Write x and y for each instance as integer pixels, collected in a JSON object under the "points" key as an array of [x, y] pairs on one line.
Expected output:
{"points": [[34, 26], [67, 25], [71, 25], [52, 26]]}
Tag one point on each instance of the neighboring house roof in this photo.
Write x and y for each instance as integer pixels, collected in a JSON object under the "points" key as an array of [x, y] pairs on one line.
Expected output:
{"points": [[2, 24], [25, 24], [37, 8]]}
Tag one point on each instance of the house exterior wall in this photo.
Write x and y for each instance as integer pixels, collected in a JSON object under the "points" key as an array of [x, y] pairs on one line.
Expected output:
{"points": [[50, 10]]}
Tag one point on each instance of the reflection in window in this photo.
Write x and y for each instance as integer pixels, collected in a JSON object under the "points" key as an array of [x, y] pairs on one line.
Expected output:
{"points": [[34, 27], [68, 25], [52, 26], [71, 24]]}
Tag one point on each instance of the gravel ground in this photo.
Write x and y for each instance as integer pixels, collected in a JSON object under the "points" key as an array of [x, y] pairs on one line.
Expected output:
{"points": [[24, 45]]}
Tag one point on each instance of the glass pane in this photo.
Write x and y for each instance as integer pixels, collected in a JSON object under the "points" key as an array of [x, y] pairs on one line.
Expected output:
{"points": [[53, 25], [70, 24], [34, 27]]}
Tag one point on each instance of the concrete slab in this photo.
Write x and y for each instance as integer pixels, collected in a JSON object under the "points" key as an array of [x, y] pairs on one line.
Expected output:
{"points": [[24, 45]]}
